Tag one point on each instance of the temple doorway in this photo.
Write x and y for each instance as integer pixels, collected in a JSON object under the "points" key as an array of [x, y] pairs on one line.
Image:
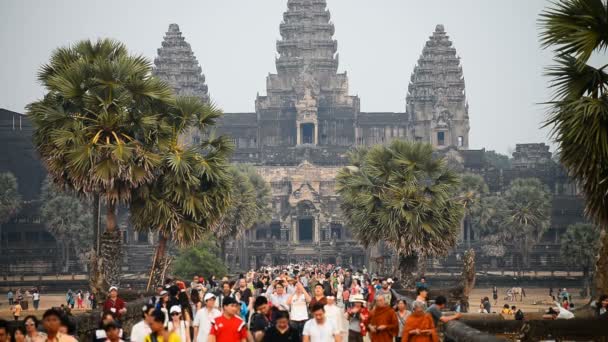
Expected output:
{"points": [[305, 229], [308, 133]]}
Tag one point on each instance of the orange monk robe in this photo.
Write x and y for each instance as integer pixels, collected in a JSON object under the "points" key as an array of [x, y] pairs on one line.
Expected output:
{"points": [[422, 321], [384, 316]]}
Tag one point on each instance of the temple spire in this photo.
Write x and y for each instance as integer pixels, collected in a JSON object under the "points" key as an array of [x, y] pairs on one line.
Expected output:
{"points": [[177, 65], [436, 94]]}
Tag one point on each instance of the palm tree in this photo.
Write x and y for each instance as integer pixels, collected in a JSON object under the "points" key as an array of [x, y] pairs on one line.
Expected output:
{"points": [[472, 189], [191, 189], [489, 221], [578, 113], [242, 211], [528, 214], [404, 196], [95, 130]]}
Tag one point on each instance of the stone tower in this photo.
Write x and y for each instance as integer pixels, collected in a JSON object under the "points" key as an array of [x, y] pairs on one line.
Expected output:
{"points": [[177, 65], [436, 104], [307, 102]]}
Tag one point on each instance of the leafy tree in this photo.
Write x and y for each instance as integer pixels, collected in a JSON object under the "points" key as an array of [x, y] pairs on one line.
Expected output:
{"points": [[69, 219], [10, 199], [191, 191], [578, 112], [527, 215], [404, 196], [95, 130], [199, 260], [579, 246], [497, 160]]}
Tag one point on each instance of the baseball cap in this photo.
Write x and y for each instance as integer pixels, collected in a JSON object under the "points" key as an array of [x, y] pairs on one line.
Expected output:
{"points": [[163, 292], [113, 288], [175, 308], [208, 296]]}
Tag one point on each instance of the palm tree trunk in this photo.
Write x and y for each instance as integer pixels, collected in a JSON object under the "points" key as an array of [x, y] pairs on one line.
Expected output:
{"points": [[158, 266], [408, 264], [106, 265], [601, 265]]}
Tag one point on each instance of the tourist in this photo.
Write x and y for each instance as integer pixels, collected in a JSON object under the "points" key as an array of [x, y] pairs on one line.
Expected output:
{"points": [[142, 328], [318, 329], [402, 314], [419, 326], [601, 307], [196, 284], [565, 304], [299, 308], [225, 293], [159, 333], [244, 291], [184, 304], [228, 327], [114, 303], [10, 296], [279, 297], [195, 301], [319, 296], [357, 316], [385, 292], [422, 294], [93, 301], [16, 310], [52, 320], [259, 320], [281, 331], [486, 305], [106, 318], [495, 295], [506, 310], [31, 330], [113, 332], [36, 299], [551, 294], [333, 313], [436, 311], [204, 317], [422, 283], [18, 334], [519, 315], [69, 298], [178, 324], [156, 298], [4, 333]]}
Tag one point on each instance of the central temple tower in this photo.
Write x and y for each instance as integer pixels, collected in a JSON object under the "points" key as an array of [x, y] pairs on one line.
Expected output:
{"points": [[307, 104]]}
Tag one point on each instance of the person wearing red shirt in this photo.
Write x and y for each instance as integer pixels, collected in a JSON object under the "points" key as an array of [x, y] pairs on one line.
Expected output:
{"points": [[228, 327], [114, 304]]}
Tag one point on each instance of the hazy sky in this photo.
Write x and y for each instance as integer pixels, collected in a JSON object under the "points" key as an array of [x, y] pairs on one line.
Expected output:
{"points": [[379, 42]]}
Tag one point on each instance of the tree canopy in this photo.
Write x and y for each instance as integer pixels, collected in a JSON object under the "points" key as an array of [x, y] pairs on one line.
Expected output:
{"points": [[199, 260], [10, 199]]}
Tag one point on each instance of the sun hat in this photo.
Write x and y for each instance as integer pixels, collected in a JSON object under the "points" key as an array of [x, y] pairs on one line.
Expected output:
{"points": [[357, 298]]}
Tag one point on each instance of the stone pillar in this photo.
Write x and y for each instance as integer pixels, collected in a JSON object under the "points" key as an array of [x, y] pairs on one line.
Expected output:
{"points": [[298, 134], [294, 230], [316, 139], [316, 230]]}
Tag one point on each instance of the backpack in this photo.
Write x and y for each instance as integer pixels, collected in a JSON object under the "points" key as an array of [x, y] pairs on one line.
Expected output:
{"points": [[519, 315]]}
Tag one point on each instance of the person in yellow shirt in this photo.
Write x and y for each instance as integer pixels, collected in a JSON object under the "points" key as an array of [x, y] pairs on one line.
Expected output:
{"points": [[17, 311], [159, 333], [506, 310]]}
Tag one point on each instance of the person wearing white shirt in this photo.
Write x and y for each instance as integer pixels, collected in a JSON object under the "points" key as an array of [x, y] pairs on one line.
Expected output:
{"points": [[319, 329], [299, 307], [142, 329], [333, 313], [279, 298], [204, 317]]}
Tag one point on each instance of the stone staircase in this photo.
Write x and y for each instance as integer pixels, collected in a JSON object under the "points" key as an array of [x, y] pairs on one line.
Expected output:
{"points": [[138, 258]]}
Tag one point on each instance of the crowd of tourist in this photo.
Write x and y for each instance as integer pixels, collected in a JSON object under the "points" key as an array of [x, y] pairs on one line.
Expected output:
{"points": [[294, 303]]}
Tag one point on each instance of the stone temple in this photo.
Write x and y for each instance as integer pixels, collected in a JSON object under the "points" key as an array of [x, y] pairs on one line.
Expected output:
{"points": [[303, 127], [298, 136]]}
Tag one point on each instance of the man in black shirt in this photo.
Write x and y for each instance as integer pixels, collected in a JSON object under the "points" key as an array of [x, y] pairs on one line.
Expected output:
{"points": [[281, 331], [244, 291], [259, 320]]}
